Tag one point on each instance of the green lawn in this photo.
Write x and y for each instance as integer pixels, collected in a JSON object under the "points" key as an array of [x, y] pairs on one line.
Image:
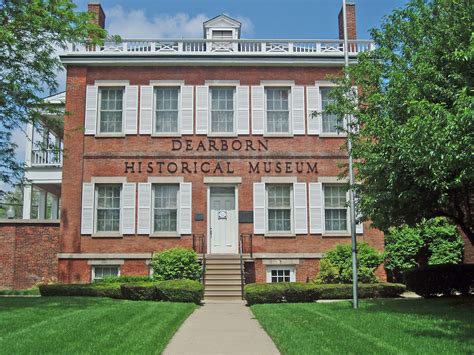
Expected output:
{"points": [[417, 326], [69, 325]]}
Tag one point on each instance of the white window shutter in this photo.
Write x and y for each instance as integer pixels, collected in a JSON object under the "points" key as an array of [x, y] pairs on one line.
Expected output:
{"points": [[258, 109], [144, 208], [128, 208], [300, 209], [316, 214], [242, 109], [202, 109], [187, 109], [259, 208], [87, 215], [146, 109], [90, 122], [313, 105], [185, 207], [297, 109], [131, 109]]}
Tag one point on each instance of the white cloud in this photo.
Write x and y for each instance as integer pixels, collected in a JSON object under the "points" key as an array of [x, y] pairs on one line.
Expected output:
{"points": [[135, 24]]}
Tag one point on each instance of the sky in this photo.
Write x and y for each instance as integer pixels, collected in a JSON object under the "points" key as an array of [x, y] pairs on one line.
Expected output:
{"points": [[297, 19]]}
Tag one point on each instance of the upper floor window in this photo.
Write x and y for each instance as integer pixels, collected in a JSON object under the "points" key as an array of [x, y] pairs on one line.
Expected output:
{"points": [[335, 208], [166, 110], [278, 113], [111, 109], [330, 121], [217, 34], [222, 110], [108, 207], [279, 208], [165, 211]]}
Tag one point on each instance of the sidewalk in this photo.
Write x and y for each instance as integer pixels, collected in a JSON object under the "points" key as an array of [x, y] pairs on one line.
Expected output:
{"points": [[221, 327]]}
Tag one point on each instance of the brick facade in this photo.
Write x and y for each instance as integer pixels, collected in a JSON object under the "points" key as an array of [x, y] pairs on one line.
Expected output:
{"points": [[28, 253]]}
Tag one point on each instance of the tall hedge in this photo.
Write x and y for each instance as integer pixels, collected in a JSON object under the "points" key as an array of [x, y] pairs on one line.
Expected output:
{"points": [[176, 264], [431, 242]]}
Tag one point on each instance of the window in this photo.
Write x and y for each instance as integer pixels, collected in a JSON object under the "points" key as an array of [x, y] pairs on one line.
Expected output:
{"points": [[110, 112], [279, 208], [280, 274], [335, 208], [221, 34], [330, 122], [278, 113], [222, 110], [102, 272], [165, 211], [108, 208], [166, 110]]}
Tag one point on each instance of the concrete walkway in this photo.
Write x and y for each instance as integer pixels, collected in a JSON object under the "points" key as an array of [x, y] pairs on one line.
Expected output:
{"points": [[221, 327]]}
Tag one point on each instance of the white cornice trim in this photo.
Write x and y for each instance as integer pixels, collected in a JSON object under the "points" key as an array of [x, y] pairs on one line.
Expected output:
{"points": [[222, 180], [165, 179]]}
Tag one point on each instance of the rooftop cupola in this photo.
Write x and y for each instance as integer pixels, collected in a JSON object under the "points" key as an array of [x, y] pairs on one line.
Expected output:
{"points": [[221, 27]]}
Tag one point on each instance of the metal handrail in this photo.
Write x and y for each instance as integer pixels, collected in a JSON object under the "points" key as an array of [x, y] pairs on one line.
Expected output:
{"points": [[242, 273], [199, 246]]}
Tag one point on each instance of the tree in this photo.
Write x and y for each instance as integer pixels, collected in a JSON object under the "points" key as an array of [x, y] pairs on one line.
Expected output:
{"points": [[413, 116], [31, 33], [430, 242]]}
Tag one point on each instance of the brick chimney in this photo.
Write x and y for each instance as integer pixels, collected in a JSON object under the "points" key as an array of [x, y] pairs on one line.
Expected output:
{"points": [[351, 21], [99, 13]]}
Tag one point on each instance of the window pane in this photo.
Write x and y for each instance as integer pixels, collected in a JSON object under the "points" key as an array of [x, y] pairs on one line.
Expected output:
{"points": [[335, 208], [280, 275], [222, 110], [278, 115], [108, 208], [110, 116], [166, 112], [330, 122], [166, 208], [101, 272]]}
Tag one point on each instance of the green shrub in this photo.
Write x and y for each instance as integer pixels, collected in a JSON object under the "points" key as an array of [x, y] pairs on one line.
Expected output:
{"points": [[344, 291], [281, 292], [180, 291], [28, 291], [336, 267], [124, 279], [146, 291], [176, 264], [429, 281], [431, 242], [87, 290]]}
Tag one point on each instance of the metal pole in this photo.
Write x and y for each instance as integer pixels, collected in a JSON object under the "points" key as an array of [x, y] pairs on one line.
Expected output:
{"points": [[355, 296]]}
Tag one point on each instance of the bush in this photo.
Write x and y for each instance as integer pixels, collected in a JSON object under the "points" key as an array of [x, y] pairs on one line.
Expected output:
{"points": [[180, 291], [281, 292], [146, 291], [435, 280], [88, 290], [344, 291], [124, 279], [431, 242], [176, 264], [336, 267]]}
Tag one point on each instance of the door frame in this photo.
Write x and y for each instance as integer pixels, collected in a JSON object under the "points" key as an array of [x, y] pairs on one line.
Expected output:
{"points": [[208, 237]]}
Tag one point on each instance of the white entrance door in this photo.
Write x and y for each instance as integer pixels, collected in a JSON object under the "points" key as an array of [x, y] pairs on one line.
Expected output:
{"points": [[223, 221]]}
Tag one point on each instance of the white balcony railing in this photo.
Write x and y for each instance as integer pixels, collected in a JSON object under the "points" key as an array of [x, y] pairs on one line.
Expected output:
{"points": [[225, 47], [46, 157]]}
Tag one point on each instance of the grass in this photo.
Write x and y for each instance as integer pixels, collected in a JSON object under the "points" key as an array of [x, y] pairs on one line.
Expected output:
{"points": [[29, 291], [418, 326], [85, 325]]}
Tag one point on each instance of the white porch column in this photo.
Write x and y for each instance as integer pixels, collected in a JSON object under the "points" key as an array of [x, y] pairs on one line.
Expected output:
{"points": [[27, 202], [42, 198], [29, 147], [55, 207]]}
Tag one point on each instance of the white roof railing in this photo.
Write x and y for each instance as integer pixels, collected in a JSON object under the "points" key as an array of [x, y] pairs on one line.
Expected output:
{"points": [[242, 47]]}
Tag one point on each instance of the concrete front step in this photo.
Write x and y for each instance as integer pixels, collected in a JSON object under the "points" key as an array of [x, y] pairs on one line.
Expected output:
{"points": [[220, 277], [222, 266], [223, 288], [223, 298], [222, 261], [223, 282], [221, 293]]}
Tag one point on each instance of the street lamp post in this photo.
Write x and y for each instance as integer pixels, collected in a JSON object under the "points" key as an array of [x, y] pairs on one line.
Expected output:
{"points": [[355, 296]]}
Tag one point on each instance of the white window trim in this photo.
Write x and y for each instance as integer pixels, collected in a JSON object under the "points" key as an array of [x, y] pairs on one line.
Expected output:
{"points": [[172, 234], [108, 84], [292, 269], [289, 233], [108, 234], [335, 233], [290, 108], [234, 116], [168, 85], [100, 83], [101, 265]]}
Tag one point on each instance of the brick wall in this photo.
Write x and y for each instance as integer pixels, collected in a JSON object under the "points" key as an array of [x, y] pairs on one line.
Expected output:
{"points": [[28, 253]]}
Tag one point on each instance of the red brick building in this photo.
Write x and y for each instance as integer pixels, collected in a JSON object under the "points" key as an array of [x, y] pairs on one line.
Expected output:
{"points": [[207, 144]]}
